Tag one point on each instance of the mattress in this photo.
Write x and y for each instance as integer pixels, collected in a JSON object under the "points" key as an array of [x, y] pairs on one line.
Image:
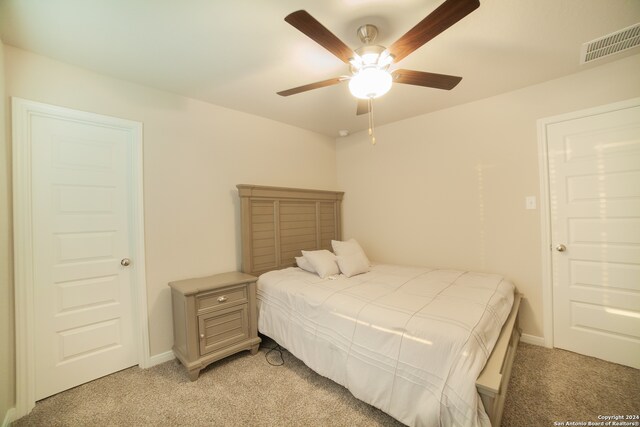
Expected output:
{"points": [[410, 341]]}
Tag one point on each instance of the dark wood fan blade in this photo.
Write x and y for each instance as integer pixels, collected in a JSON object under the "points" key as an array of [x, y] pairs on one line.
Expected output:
{"points": [[447, 14], [319, 34], [363, 107], [422, 78], [311, 86]]}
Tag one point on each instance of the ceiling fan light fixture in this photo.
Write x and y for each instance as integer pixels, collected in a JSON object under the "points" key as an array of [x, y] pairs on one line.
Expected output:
{"points": [[368, 56], [385, 59], [356, 62], [370, 82], [369, 65]]}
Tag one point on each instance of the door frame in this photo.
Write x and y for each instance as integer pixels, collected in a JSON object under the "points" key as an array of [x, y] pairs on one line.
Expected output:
{"points": [[22, 112], [545, 203]]}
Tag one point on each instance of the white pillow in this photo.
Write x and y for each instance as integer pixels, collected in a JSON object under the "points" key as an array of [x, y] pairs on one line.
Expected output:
{"points": [[349, 247], [323, 262], [353, 264], [304, 264]]}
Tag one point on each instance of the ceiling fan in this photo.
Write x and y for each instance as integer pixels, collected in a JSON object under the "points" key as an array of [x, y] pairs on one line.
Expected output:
{"points": [[369, 65]]}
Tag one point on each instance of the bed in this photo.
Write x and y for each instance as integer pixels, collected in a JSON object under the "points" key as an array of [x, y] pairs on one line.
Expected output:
{"points": [[428, 347]]}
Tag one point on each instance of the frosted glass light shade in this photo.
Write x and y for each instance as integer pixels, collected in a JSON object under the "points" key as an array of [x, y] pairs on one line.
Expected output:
{"points": [[370, 83]]}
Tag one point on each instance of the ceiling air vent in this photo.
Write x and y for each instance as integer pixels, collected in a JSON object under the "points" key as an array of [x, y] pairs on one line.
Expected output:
{"points": [[612, 43]]}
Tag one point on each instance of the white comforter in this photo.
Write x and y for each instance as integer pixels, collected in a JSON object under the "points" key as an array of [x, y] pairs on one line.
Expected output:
{"points": [[410, 341]]}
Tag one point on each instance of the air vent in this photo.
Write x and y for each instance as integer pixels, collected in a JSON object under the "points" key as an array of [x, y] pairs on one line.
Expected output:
{"points": [[612, 43]]}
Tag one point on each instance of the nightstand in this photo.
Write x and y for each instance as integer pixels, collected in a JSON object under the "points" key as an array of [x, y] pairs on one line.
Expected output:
{"points": [[213, 317]]}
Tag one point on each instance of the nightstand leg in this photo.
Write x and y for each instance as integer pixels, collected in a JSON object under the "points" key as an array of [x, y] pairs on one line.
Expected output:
{"points": [[254, 349], [193, 374]]}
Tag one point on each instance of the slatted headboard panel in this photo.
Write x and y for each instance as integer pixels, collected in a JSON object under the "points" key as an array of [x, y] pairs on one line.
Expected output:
{"points": [[278, 223]]}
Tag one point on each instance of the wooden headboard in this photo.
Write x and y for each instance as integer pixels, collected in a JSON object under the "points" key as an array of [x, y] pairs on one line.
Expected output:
{"points": [[278, 223]]}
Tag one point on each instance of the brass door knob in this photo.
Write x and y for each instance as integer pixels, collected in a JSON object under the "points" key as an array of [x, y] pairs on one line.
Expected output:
{"points": [[561, 248], [125, 262]]}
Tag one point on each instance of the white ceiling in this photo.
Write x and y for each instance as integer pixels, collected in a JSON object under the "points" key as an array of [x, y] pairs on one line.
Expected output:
{"points": [[239, 53]]}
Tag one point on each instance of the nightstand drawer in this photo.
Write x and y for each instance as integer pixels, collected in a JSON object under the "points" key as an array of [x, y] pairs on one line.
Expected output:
{"points": [[221, 299], [223, 328]]}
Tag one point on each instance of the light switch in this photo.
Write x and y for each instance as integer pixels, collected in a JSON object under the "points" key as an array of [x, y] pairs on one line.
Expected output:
{"points": [[530, 202]]}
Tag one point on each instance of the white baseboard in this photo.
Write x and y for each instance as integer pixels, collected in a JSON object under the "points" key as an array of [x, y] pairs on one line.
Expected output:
{"points": [[532, 339], [9, 417], [160, 358]]}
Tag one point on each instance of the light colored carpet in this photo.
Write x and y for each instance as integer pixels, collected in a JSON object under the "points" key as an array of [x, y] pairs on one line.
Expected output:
{"points": [[547, 385], [553, 385]]}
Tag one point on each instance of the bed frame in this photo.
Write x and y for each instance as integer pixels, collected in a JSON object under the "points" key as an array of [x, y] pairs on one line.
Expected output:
{"points": [[277, 223]]}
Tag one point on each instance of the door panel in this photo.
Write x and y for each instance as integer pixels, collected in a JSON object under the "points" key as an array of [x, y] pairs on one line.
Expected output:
{"points": [[594, 188], [82, 295], [88, 293]]}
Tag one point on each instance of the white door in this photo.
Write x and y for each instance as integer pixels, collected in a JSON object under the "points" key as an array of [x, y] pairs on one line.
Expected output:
{"points": [[84, 323], [594, 189]]}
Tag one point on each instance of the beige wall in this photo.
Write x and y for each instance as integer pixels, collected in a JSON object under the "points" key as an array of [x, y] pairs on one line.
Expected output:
{"points": [[7, 347], [448, 189], [194, 155]]}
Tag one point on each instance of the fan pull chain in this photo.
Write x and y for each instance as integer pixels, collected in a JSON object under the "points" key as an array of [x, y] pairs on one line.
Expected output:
{"points": [[371, 128]]}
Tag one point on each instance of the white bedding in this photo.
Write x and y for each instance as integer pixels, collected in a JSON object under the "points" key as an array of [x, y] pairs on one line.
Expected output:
{"points": [[410, 341]]}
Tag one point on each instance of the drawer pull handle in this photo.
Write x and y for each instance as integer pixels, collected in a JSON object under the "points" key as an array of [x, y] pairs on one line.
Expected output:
{"points": [[222, 299], [202, 336]]}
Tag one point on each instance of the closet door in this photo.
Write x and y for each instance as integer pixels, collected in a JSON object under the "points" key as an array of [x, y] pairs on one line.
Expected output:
{"points": [[75, 244], [594, 188]]}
